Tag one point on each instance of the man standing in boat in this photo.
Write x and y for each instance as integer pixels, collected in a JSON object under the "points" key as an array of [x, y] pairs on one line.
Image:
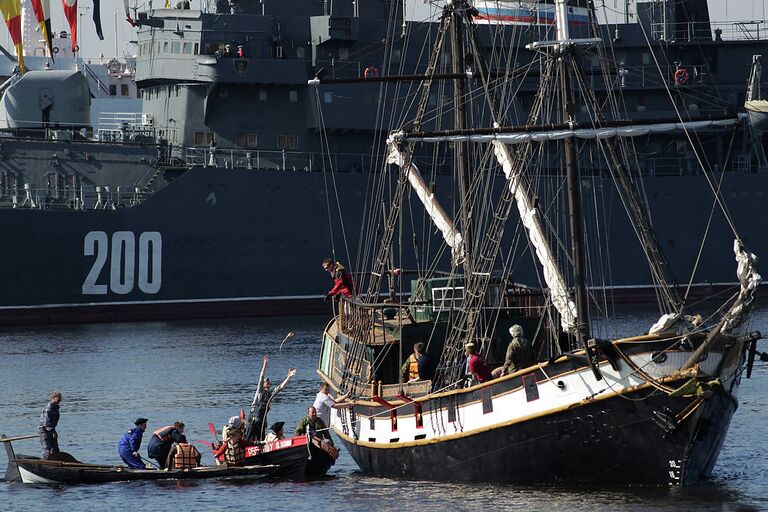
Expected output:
{"points": [[49, 438], [476, 366], [342, 280], [261, 402]]}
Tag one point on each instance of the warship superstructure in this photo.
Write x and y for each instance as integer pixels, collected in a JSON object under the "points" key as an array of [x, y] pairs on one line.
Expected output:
{"points": [[222, 196]]}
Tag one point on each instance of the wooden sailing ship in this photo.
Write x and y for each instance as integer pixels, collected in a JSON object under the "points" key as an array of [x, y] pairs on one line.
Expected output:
{"points": [[651, 408]]}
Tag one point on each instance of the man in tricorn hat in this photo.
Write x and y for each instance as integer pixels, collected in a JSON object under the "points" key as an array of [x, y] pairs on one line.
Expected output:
{"points": [[129, 445], [275, 432]]}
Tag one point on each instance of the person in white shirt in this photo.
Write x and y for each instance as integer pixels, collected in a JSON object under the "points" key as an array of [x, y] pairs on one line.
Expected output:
{"points": [[324, 402]]}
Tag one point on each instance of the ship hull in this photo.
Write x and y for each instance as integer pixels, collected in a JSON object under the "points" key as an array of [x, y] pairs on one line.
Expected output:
{"points": [[615, 441]]}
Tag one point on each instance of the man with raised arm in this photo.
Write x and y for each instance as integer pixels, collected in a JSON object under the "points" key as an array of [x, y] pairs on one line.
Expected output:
{"points": [[262, 400]]}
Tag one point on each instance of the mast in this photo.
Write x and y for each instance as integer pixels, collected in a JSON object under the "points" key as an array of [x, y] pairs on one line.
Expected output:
{"points": [[574, 188], [459, 8]]}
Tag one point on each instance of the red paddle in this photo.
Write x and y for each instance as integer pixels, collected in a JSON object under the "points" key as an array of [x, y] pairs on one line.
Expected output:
{"points": [[212, 428]]}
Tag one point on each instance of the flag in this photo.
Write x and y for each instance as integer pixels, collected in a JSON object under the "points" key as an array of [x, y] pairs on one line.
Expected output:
{"points": [[167, 4], [42, 10], [128, 14], [12, 15], [70, 12], [97, 19]]}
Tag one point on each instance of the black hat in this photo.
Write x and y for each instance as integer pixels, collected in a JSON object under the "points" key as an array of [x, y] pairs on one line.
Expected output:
{"points": [[139, 421], [277, 426]]}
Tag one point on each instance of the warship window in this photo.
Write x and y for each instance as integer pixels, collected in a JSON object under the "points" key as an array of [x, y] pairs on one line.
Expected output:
{"points": [[197, 48], [165, 47], [646, 58], [262, 95], [124, 90], [293, 142], [328, 97], [293, 96], [252, 140], [198, 138], [240, 139], [112, 89], [279, 52], [300, 52], [187, 48], [282, 141], [175, 47]]}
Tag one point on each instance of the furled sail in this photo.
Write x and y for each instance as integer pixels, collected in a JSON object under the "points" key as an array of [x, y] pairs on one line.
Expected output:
{"points": [[637, 130], [529, 214], [444, 223]]}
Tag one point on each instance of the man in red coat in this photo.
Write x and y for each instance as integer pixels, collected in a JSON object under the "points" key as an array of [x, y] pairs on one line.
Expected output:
{"points": [[342, 280]]}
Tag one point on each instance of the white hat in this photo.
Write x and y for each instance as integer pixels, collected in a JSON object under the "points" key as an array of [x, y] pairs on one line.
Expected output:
{"points": [[235, 422], [516, 331]]}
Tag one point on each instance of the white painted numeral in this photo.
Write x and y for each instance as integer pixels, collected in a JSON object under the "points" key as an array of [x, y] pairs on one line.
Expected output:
{"points": [[123, 260], [150, 250], [95, 244]]}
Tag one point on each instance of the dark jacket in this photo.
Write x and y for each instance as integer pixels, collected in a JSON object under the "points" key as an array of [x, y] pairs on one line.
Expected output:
{"points": [[131, 441], [49, 418], [161, 441]]}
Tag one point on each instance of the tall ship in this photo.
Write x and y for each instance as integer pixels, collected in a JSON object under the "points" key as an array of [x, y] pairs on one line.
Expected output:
{"points": [[224, 193], [461, 373]]}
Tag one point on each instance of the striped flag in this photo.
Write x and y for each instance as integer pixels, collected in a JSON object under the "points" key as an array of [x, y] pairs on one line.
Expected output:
{"points": [[12, 15], [97, 19], [42, 10], [70, 12]]}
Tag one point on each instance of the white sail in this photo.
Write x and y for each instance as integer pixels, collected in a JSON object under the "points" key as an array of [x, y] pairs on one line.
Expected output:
{"points": [[637, 130], [444, 223], [561, 299]]}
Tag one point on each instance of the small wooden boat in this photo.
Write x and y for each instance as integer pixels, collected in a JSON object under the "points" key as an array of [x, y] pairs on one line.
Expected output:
{"points": [[63, 468]]}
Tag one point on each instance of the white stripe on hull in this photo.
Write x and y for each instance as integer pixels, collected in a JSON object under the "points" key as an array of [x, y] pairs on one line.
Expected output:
{"points": [[31, 478]]}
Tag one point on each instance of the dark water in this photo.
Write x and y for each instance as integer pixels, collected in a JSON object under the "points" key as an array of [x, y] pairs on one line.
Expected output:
{"points": [[206, 371]]}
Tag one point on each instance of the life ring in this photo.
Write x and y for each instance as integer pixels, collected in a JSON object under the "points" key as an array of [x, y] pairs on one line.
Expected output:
{"points": [[371, 72], [55, 49], [681, 76]]}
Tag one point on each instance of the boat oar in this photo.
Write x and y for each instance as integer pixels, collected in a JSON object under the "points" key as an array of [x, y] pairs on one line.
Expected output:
{"points": [[212, 428], [290, 333]]}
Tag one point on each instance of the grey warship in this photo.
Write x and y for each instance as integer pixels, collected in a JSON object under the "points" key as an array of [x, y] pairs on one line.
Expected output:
{"points": [[223, 195]]}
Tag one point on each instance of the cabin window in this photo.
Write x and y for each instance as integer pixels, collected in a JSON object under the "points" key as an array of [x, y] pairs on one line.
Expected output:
{"points": [[646, 59], [279, 52], [293, 96], [187, 48], [209, 138], [262, 95], [447, 297], [165, 47], [328, 97], [197, 48], [175, 47], [112, 89], [293, 142], [252, 140], [240, 140], [124, 90], [199, 138]]}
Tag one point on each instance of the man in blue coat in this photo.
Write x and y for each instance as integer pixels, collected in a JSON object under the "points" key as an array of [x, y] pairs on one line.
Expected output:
{"points": [[49, 439], [129, 445]]}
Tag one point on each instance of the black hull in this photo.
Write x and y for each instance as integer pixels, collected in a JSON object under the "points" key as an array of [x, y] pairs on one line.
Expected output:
{"points": [[295, 463], [614, 441]]}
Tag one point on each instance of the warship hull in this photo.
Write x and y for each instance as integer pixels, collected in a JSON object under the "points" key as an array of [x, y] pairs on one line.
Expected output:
{"points": [[236, 242]]}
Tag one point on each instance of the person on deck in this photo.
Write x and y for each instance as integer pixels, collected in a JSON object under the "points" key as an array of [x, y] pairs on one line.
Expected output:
{"points": [[49, 438], [416, 367], [161, 441], [519, 353], [233, 445], [342, 280], [476, 366], [324, 402], [129, 445], [275, 432], [262, 400], [312, 424], [183, 455]]}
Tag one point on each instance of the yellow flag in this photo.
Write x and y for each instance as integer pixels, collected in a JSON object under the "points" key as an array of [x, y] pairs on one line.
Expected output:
{"points": [[12, 15]]}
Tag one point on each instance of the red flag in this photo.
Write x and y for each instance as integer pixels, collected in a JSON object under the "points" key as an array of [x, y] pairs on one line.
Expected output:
{"points": [[42, 10], [12, 14], [70, 12]]}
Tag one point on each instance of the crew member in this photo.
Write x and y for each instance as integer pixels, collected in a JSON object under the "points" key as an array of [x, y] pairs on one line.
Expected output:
{"points": [[519, 353], [312, 424], [416, 367], [49, 438], [232, 449], [129, 445], [324, 402], [262, 400], [183, 455], [161, 441], [342, 280], [275, 432], [476, 366]]}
